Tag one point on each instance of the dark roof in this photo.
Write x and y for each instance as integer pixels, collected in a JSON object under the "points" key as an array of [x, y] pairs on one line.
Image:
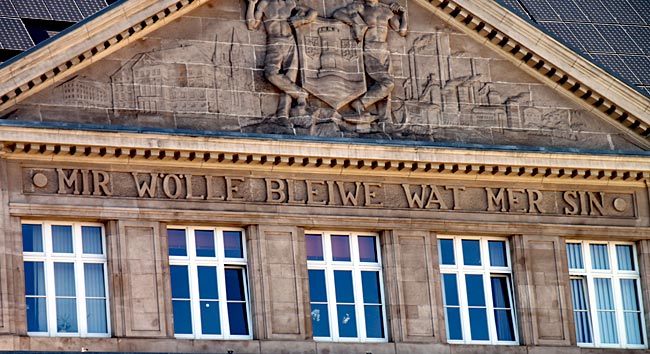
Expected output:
{"points": [[613, 34], [25, 23]]}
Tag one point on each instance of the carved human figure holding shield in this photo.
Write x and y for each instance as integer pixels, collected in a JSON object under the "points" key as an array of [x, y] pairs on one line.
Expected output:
{"points": [[281, 61]]}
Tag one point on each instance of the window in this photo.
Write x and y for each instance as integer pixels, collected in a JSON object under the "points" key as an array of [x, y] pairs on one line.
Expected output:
{"points": [[65, 279], [345, 287], [477, 290], [605, 288], [209, 287]]}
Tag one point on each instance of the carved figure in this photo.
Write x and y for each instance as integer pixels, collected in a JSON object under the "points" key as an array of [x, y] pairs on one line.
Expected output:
{"points": [[370, 22], [281, 62]]}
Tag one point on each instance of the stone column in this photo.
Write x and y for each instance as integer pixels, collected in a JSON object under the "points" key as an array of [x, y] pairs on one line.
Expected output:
{"points": [[283, 282], [144, 301], [12, 283], [418, 287], [547, 315]]}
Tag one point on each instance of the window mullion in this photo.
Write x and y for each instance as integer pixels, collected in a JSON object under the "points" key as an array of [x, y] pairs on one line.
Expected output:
{"points": [[593, 308], [223, 301], [619, 313], [359, 304], [489, 306], [80, 293], [331, 299], [464, 306]]}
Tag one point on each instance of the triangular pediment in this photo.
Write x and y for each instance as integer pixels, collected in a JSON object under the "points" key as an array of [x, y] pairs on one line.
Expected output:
{"points": [[208, 70]]}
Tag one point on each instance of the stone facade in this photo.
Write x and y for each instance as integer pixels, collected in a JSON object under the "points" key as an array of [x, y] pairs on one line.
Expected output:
{"points": [[235, 134]]}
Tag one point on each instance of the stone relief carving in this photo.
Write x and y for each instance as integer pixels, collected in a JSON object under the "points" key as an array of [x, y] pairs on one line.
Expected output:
{"points": [[346, 70]]}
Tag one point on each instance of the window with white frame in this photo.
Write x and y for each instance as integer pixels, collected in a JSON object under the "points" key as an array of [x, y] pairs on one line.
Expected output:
{"points": [[477, 290], [346, 287], [605, 289], [209, 283], [65, 279]]}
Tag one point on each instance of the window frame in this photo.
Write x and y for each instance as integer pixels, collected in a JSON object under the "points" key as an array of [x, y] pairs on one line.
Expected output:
{"points": [[488, 272], [192, 261], [328, 265], [78, 258], [587, 274]]}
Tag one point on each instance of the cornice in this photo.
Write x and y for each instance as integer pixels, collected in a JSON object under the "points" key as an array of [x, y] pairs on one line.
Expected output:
{"points": [[159, 151], [550, 61]]}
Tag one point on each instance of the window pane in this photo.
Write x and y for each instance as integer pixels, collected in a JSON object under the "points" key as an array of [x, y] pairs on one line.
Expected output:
{"points": [[580, 311], [578, 295], [454, 327], [34, 278], [176, 242], [207, 283], [317, 289], [62, 239], [235, 285], [320, 320], [608, 332], [505, 328], [370, 285], [180, 282], [500, 296], [633, 327], [446, 250], [314, 244], [96, 315], [36, 314], [583, 327], [32, 238], [374, 321], [450, 287], [182, 316], [210, 321], [66, 315], [204, 240], [91, 240], [64, 283], [237, 318], [94, 279], [471, 252], [347, 321], [367, 250], [340, 248], [475, 291], [478, 324], [607, 318], [498, 253], [625, 257], [343, 286], [604, 298], [629, 295], [232, 243], [599, 256], [574, 254]]}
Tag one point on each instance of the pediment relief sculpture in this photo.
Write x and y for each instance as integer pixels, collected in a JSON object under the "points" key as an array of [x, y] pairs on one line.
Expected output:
{"points": [[339, 68]]}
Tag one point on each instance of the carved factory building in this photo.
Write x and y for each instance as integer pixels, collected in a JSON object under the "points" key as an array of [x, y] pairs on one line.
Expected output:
{"points": [[303, 176]]}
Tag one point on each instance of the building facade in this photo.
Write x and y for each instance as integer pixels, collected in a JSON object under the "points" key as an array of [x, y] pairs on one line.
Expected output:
{"points": [[320, 177]]}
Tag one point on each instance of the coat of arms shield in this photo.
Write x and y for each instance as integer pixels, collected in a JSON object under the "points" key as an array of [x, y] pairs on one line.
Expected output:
{"points": [[331, 62]]}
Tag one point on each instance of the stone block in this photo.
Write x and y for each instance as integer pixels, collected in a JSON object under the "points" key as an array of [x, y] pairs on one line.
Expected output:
{"points": [[288, 347]]}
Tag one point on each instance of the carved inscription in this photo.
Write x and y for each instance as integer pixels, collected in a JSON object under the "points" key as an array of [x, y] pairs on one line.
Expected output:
{"points": [[330, 193]]}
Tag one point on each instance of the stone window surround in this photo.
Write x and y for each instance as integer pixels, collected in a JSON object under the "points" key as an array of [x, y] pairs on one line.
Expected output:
{"points": [[487, 271], [221, 263], [79, 259], [356, 267], [588, 274]]}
